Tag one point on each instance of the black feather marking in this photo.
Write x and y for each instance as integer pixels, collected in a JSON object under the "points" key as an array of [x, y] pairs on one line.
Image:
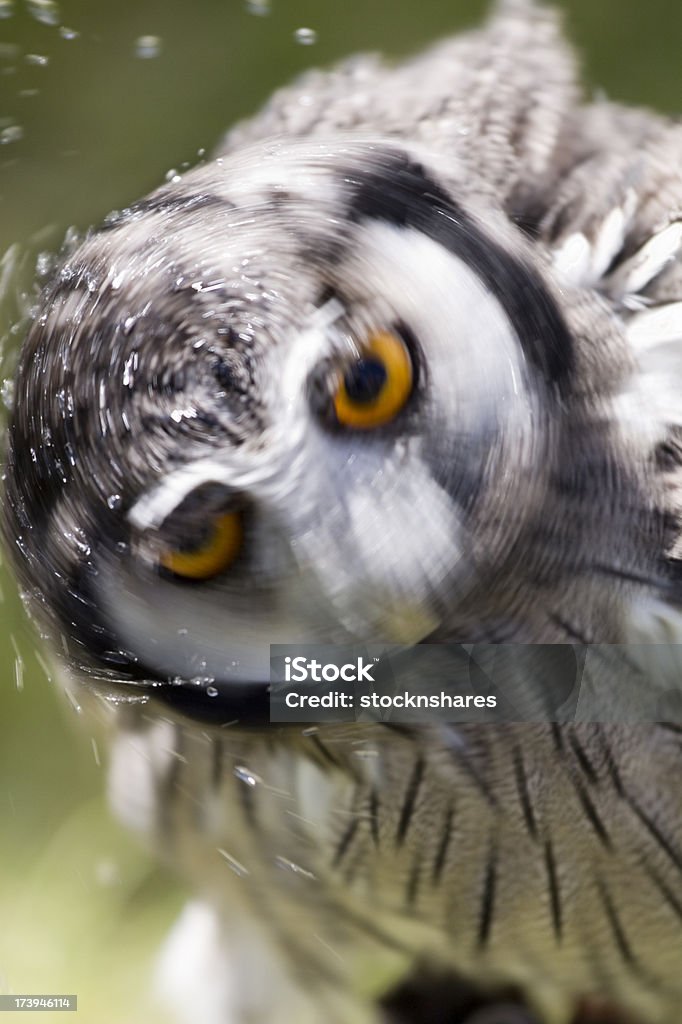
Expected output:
{"points": [[524, 794], [671, 727], [557, 737], [655, 832], [245, 702], [413, 882], [408, 731], [345, 842], [569, 628], [374, 807], [611, 766], [554, 891], [353, 864], [485, 923], [401, 192], [630, 576], [674, 902], [327, 755], [591, 813], [622, 942], [410, 800], [583, 760], [443, 846]]}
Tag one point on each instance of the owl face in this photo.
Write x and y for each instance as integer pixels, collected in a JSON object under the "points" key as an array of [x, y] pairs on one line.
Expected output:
{"points": [[306, 395]]}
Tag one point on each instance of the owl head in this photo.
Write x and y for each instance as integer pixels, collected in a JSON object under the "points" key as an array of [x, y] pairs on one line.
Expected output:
{"points": [[320, 391]]}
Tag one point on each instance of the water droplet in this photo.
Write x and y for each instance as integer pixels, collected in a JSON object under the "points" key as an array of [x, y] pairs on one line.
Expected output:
{"points": [[45, 11], [68, 33], [211, 691], [290, 865], [73, 702], [37, 59], [44, 264], [19, 673], [6, 8], [261, 8], [173, 176], [7, 394], [41, 661], [305, 36], [235, 864], [114, 501], [11, 134], [247, 776], [147, 47]]}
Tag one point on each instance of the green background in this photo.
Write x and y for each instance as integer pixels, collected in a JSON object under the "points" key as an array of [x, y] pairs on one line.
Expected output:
{"points": [[82, 908]]}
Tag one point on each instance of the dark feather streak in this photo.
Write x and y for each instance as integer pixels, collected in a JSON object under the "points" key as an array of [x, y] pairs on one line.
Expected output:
{"points": [[583, 760], [621, 939], [655, 832], [488, 898], [443, 846], [345, 842], [554, 891], [374, 816], [524, 793], [591, 813], [410, 800]]}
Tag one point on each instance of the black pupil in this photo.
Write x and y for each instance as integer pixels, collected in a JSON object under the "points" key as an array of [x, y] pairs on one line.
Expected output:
{"points": [[364, 380]]}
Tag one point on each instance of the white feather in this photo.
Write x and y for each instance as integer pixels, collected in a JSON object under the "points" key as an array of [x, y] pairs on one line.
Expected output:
{"points": [[583, 263], [572, 260], [611, 237], [653, 327], [640, 270]]}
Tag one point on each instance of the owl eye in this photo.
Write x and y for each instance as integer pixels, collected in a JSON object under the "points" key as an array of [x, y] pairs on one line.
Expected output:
{"points": [[375, 387], [216, 552]]}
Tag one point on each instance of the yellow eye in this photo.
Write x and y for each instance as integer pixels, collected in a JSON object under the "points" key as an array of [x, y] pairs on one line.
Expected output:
{"points": [[375, 387], [214, 555]]}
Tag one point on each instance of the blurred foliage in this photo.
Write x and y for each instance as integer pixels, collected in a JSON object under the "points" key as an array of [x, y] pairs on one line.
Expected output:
{"points": [[82, 907]]}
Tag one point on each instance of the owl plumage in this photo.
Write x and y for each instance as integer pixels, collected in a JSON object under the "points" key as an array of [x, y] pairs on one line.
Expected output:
{"points": [[523, 248]]}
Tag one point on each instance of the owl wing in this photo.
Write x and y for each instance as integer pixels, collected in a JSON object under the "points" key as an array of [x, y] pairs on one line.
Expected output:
{"points": [[613, 228]]}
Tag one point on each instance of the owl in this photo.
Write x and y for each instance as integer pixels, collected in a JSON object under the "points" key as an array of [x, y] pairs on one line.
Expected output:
{"points": [[400, 364]]}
